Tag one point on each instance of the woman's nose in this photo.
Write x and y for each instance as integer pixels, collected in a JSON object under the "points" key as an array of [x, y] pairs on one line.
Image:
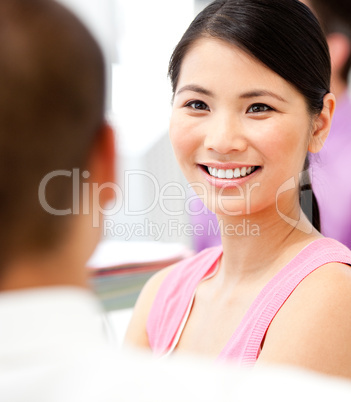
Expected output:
{"points": [[225, 135]]}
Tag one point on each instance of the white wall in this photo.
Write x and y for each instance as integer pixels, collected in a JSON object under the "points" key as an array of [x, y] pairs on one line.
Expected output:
{"points": [[141, 92], [138, 38]]}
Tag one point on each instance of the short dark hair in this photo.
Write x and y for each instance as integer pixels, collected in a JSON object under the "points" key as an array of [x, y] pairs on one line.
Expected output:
{"points": [[335, 16], [52, 91]]}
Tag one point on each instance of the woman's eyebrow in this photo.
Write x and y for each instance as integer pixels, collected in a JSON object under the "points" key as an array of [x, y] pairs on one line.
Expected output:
{"points": [[259, 92], [251, 94], [195, 88]]}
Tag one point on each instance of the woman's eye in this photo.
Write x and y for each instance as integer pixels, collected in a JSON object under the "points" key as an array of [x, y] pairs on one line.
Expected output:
{"points": [[258, 108], [198, 105]]}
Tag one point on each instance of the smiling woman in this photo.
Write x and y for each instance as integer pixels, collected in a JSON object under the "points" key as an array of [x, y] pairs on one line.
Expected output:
{"points": [[247, 107], [231, 115]]}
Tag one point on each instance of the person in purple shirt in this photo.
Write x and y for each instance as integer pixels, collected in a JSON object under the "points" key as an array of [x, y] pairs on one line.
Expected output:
{"points": [[208, 234], [330, 168]]}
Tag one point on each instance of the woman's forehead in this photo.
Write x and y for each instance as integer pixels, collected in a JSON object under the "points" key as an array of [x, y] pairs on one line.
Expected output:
{"points": [[215, 62]]}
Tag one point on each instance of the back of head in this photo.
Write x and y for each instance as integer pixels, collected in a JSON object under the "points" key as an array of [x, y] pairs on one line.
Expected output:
{"points": [[335, 16], [51, 106]]}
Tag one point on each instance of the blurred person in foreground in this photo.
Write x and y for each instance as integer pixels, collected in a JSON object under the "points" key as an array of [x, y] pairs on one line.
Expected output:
{"points": [[56, 153], [330, 167], [52, 133]]}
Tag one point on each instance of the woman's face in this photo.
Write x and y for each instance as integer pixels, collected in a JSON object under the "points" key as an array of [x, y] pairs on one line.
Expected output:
{"points": [[239, 130]]}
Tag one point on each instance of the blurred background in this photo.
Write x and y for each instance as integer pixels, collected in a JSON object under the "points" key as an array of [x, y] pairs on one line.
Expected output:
{"points": [[142, 233], [138, 38]]}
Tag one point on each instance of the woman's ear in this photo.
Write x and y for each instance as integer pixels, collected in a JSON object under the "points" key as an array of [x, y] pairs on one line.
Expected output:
{"points": [[322, 124]]}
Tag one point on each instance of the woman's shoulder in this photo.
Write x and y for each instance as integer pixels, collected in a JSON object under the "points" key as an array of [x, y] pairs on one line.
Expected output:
{"points": [[329, 281], [329, 250], [186, 270], [322, 299], [197, 264], [136, 334], [319, 252], [153, 284], [180, 271], [326, 286], [313, 327], [329, 284]]}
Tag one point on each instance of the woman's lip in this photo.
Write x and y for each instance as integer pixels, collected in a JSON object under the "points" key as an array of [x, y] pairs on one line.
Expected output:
{"points": [[226, 166], [226, 183]]}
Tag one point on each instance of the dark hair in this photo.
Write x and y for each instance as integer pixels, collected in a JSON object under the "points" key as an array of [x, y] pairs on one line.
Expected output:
{"points": [[335, 16], [283, 35], [52, 91]]}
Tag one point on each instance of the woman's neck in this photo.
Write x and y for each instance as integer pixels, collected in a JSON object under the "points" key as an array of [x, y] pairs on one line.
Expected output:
{"points": [[260, 244]]}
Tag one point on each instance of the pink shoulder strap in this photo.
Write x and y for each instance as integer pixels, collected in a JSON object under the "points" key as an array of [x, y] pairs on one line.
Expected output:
{"points": [[174, 296], [244, 345]]}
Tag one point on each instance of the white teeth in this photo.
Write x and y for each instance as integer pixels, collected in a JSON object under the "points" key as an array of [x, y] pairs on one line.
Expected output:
{"points": [[221, 173], [230, 173], [236, 173]]}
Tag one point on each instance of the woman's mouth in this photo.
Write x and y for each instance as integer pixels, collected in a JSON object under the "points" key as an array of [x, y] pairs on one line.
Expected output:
{"points": [[235, 173]]}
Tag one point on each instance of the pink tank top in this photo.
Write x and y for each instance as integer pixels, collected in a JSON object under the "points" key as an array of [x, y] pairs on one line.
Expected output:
{"points": [[174, 299]]}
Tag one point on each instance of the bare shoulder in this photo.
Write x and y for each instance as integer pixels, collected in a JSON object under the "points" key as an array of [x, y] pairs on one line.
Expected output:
{"points": [[136, 334], [313, 327], [329, 285]]}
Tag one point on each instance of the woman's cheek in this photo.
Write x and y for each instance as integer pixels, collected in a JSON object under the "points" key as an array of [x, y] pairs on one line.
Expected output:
{"points": [[181, 138]]}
